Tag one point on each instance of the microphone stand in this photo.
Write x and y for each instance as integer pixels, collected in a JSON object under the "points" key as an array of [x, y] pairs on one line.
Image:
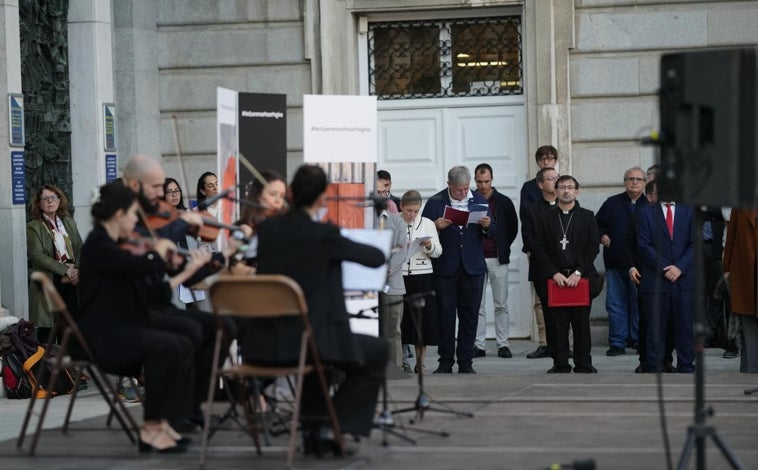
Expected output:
{"points": [[386, 419], [423, 402]]}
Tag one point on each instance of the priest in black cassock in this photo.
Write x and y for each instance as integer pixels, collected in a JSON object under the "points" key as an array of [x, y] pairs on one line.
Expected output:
{"points": [[567, 242]]}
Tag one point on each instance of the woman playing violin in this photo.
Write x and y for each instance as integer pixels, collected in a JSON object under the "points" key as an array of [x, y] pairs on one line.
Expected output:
{"points": [[115, 320], [262, 201]]}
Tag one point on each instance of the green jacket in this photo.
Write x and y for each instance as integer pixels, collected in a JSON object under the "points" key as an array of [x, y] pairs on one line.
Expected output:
{"points": [[41, 252]]}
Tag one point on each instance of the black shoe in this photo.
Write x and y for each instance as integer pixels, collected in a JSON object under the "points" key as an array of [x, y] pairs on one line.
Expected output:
{"points": [[443, 369], [669, 368], [641, 369], [585, 370], [466, 369], [319, 441], [184, 426], [615, 351], [539, 353], [504, 352], [479, 352], [731, 354], [559, 370]]}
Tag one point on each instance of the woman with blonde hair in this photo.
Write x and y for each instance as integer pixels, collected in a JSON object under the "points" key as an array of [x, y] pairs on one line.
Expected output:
{"points": [[419, 330]]}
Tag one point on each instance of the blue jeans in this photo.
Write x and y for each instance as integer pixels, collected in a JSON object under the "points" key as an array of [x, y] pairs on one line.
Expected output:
{"points": [[622, 308]]}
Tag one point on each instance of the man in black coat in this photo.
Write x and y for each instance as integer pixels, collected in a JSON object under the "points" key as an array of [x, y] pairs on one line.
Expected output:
{"points": [[567, 242], [497, 256], [311, 253]]}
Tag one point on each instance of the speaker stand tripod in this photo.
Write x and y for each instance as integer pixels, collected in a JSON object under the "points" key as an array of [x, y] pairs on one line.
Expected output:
{"points": [[699, 430]]}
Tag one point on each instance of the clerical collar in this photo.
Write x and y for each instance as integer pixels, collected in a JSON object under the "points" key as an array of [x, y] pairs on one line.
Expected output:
{"points": [[567, 211]]}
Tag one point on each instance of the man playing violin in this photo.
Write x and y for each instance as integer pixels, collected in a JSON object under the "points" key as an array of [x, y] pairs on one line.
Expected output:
{"points": [[145, 176]]}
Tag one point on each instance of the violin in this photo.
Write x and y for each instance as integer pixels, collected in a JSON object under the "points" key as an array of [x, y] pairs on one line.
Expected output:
{"points": [[167, 213], [139, 246]]}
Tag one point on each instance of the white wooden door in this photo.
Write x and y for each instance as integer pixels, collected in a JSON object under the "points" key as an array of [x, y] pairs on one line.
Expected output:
{"points": [[420, 141]]}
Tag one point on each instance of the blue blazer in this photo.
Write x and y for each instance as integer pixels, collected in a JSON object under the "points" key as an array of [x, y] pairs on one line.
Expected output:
{"points": [[460, 245], [656, 249]]}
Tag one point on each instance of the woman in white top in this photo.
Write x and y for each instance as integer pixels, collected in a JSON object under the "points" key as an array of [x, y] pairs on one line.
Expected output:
{"points": [[421, 330]]}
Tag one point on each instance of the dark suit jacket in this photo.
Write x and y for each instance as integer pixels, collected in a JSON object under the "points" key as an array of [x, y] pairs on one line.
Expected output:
{"points": [[312, 253], [584, 243], [656, 249], [507, 226], [459, 245], [528, 227], [613, 219], [530, 192]]}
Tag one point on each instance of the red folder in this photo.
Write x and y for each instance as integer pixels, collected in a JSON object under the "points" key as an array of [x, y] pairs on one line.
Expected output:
{"points": [[578, 296]]}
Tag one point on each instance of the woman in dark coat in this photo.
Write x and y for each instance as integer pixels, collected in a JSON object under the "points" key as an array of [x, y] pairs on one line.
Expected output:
{"points": [[114, 316], [740, 267]]}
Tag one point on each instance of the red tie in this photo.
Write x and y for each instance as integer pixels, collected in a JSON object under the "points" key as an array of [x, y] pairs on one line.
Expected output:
{"points": [[670, 220]]}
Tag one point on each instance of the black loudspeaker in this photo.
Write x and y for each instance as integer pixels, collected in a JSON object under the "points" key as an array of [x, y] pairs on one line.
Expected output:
{"points": [[708, 128]]}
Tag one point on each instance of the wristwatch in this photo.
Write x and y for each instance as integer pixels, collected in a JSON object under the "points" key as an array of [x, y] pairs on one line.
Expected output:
{"points": [[578, 273]]}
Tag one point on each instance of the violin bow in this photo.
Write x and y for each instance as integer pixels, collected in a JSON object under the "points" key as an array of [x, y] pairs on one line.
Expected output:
{"points": [[178, 150]]}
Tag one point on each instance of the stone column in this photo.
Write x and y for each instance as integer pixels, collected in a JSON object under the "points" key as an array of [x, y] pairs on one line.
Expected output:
{"points": [[90, 55], [136, 78], [13, 272], [549, 39]]}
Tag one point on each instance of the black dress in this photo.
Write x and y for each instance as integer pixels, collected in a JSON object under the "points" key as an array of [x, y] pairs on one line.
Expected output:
{"points": [[428, 323]]}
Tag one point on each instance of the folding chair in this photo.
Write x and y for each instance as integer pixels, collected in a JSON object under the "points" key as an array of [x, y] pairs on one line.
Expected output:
{"points": [[267, 296], [65, 324]]}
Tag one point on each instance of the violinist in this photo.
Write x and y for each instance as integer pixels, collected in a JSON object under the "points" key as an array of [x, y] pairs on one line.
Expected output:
{"points": [[115, 320], [262, 201], [311, 253], [145, 176]]}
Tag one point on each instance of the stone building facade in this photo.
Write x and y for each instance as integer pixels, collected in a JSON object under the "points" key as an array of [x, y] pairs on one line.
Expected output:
{"points": [[589, 79]]}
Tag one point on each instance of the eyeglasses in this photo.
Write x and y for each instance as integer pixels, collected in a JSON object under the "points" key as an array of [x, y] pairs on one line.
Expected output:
{"points": [[545, 158], [51, 198], [550, 179], [634, 179], [566, 188], [174, 192]]}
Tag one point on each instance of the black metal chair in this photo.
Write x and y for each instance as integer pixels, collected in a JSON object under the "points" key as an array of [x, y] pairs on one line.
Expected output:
{"points": [[70, 336], [267, 297]]}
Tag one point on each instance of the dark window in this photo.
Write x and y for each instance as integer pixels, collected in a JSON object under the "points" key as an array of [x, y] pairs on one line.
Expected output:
{"points": [[432, 59]]}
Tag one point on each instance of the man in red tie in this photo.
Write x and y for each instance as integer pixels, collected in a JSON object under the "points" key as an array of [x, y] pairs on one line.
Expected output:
{"points": [[665, 243]]}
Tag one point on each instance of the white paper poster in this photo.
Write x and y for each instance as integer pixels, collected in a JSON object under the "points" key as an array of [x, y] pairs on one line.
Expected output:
{"points": [[339, 128]]}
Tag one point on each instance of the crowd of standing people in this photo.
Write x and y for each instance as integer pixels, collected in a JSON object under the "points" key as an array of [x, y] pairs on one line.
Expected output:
{"points": [[463, 239]]}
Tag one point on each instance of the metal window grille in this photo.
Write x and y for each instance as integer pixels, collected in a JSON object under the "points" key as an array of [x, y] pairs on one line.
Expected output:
{"points": [[444, 58]]}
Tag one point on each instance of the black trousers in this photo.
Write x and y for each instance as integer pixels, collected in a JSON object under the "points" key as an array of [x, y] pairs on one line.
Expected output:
{"points": [[356, 397], [643, 345], [200, 328], [168, 374], [578, 319]]}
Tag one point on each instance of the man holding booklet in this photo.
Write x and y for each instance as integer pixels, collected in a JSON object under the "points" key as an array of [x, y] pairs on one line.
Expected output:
{"points": [[566, 244], [462, 220]]}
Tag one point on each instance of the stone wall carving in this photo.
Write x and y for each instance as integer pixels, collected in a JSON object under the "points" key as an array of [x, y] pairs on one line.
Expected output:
{"points": [[45, 84]]}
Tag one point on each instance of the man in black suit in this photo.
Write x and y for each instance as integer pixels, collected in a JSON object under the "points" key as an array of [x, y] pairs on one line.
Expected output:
{"points": [[311, 253], [567, 242], [546, 157]]}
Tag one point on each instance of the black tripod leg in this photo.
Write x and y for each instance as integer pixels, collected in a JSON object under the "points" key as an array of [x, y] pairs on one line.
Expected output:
{"points": [[684, 459], [725, 450]]}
